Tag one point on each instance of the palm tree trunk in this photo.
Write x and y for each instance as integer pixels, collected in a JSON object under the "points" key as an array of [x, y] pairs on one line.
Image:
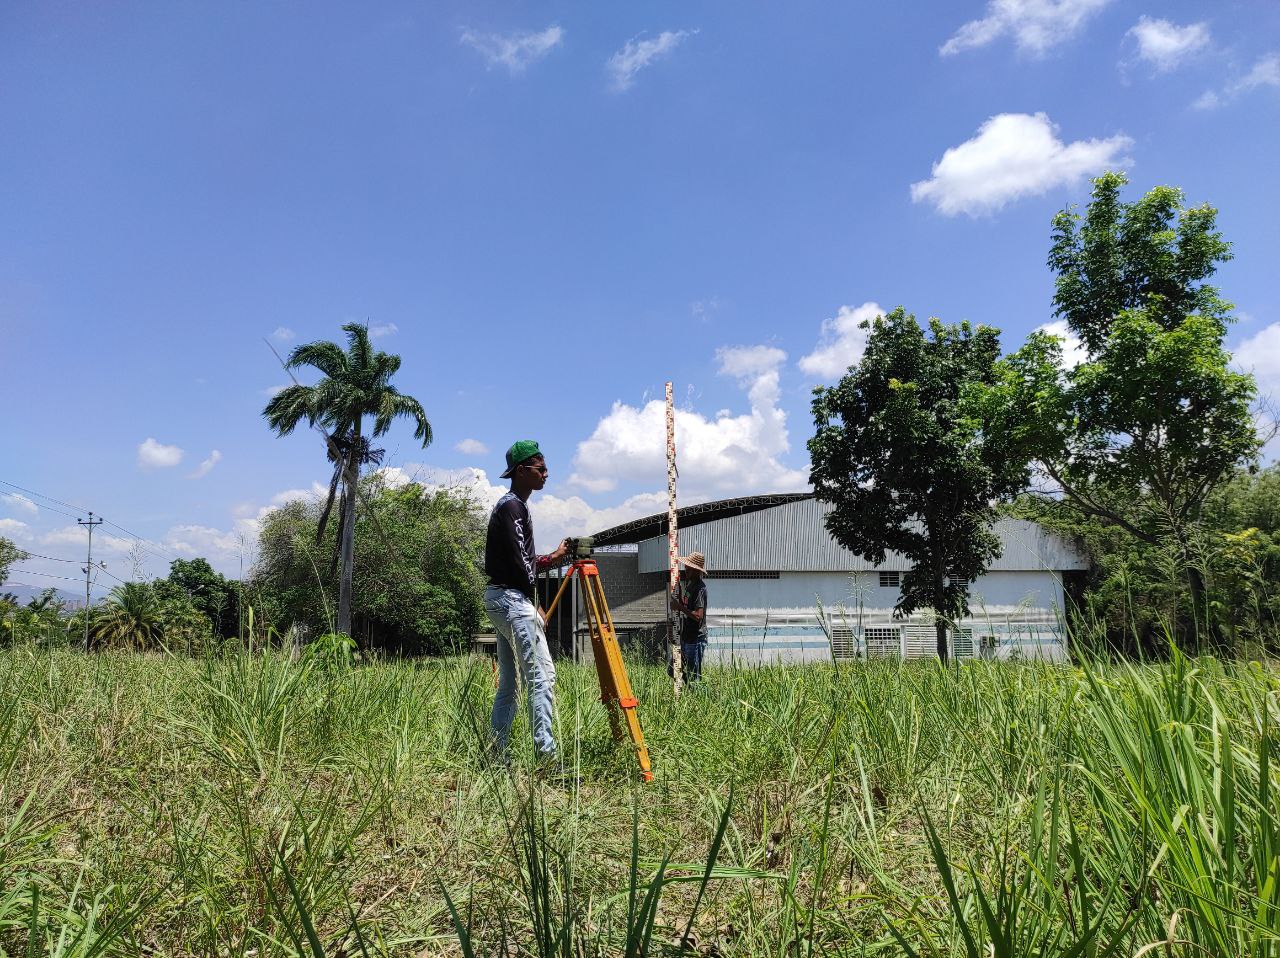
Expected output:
{"points": [[349, 480]]}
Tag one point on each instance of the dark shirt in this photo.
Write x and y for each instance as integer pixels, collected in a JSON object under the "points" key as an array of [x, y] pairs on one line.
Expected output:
{"points": [[509, 558], [693, 593]]}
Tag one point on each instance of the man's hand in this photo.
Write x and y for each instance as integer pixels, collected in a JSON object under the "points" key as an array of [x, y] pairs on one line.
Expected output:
{"points": [[561, 553]]}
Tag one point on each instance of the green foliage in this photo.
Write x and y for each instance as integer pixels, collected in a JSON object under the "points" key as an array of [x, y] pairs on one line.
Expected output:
{"points": [[354, 384], [41, 618], [208, 591], [331, 650], [908, 465], [250, 804], [417, 584], [1136, 593], [1140, 434], [136, 616], [9, 554]]}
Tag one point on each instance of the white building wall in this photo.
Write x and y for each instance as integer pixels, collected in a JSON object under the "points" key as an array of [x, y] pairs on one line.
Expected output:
{"points": [[778, 620], [1003, 591]]}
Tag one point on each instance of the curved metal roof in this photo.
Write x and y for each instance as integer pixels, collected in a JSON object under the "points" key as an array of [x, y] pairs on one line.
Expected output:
{"points": [[639, 529]]}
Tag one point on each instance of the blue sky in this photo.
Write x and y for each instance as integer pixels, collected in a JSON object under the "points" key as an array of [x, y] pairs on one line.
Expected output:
{"points": [[548, 210]]}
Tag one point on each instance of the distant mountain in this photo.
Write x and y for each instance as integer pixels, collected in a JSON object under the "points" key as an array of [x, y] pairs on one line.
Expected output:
{"points": [[26, 593]]}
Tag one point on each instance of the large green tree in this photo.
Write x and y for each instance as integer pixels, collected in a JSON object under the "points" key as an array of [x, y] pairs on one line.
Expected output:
{"points": [[210, 592], [355, 384], [906, 464], [136, 616], [9, 554], [1153, 420], [418, 585]]}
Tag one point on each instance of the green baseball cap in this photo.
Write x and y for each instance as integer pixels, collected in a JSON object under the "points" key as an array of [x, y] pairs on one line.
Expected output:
{"points": [[521, 451]]}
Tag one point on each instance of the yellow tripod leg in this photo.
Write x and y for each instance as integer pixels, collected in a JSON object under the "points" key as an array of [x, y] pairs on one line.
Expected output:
{"points": [[615, 687]]}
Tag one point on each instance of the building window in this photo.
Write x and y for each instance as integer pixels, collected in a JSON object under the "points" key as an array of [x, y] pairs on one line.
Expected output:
{"points": [[843, 645], [741, 574], [922, 641], [962, 643], [890, 580], [883, 642]]}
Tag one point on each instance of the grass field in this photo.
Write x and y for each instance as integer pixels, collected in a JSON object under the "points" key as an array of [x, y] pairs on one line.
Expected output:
{"points": [[251, 806]]}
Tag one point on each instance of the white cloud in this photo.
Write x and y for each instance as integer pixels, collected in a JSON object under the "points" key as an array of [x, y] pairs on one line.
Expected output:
{"points": [[383, 329], [749, 362], [515, 51], [1013, 155], [842, 341], [78, 536], [1164, 44], [202, 470], [15, 529], [283, 334], [1264, 73], [16, 500], [1073, 351], [272, 391], [554, 517], [638, 54], [472, 447], [1260, 355], [725, 456], [156, 455], [1035, 25]]}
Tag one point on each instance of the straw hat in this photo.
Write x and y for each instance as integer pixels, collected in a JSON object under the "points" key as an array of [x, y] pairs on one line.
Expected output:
{"points": [[695, 560]]}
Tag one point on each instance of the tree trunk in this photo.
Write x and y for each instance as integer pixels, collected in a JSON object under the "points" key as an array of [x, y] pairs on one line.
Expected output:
{"points": [[940, 607], [349, 480], [1205, 630]]}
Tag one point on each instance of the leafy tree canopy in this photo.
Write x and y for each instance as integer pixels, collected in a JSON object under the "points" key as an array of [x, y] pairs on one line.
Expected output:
{"points": [[417, 583], [9, 554], [1154, 420], [908, 466], [207, 590]]}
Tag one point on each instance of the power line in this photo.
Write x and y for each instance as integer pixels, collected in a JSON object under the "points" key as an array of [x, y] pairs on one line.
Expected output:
{"points": [[46, 575], [140, 539], [36, 555], [103, 570], [143, 542], [38, 495]]}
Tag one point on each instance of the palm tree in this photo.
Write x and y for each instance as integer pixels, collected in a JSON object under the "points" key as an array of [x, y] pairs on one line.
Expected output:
{"points": [[354, 384], [132, 617]]}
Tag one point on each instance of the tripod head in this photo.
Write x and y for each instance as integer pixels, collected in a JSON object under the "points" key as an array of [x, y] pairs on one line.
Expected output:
{"points": [[579, 548]]}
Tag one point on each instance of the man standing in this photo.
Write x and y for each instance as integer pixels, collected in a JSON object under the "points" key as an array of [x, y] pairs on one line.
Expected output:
{"points": [[690, 600], [512, 565]]}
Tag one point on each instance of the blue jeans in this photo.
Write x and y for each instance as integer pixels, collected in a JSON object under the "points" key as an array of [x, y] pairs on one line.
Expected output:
{"points": [[520, 638], [691, 660]]}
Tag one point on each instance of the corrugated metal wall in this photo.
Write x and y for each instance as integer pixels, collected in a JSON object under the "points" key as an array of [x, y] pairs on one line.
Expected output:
{"points": [[792, 538]]}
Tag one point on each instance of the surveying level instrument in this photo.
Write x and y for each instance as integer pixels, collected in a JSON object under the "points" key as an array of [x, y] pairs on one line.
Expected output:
{"points": [[615, 687]]}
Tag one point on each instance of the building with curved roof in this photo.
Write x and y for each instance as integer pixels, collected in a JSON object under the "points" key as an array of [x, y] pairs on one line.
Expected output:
{"points": [[781, 589]]}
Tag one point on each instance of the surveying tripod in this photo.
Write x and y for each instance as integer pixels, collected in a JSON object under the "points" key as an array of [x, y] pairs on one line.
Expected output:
{"points": [[615, 687]]}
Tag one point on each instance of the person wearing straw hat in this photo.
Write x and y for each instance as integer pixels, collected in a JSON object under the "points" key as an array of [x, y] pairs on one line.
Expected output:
{"points": [[512, 565], [690, 600]]}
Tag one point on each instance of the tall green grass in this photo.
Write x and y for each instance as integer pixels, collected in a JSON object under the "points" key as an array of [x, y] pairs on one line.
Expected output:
{"points": [[251, 805]]}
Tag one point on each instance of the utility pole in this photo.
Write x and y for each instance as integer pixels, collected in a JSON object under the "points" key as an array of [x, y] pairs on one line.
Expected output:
{"points": [[673, 546], [88, 568]]}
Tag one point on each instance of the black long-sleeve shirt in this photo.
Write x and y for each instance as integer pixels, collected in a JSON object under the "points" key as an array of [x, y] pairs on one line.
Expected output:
{"points": [[509, 557]]}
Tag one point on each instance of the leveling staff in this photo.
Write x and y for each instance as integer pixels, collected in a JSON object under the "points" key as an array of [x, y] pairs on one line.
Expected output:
{"points": [[512, 565]]}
